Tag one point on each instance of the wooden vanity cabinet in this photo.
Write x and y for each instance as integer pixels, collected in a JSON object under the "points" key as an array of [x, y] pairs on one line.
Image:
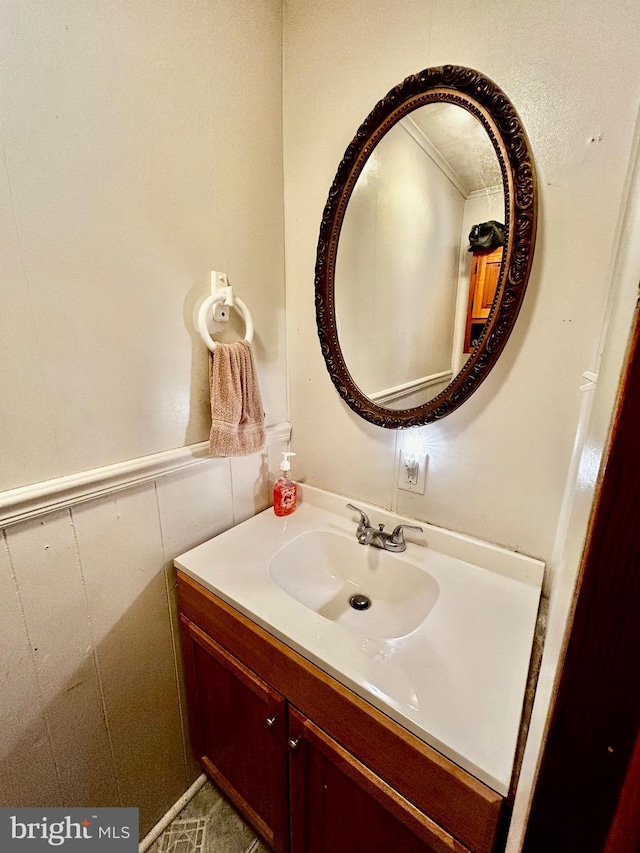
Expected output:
{"points": [[339, 806], [312, 766], [239, 733]]}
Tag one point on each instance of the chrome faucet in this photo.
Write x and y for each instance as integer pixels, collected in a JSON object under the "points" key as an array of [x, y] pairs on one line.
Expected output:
{"points": [[368, 535]]}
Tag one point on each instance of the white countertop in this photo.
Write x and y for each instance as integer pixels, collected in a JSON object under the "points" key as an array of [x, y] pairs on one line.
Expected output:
{"points": [[457, 682]]}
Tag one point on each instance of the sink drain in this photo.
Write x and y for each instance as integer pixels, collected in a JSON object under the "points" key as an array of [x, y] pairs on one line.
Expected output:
{"points": [[360, 602]]}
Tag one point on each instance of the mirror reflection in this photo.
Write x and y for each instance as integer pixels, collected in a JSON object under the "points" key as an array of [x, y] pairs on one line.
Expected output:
{"points": [[411, 293]]}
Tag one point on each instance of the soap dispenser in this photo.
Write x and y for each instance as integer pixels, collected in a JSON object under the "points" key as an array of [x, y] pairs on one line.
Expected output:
{"points": [[285, 491]]}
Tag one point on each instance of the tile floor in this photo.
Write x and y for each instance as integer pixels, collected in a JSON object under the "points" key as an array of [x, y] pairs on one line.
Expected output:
{"points": [[208, 824]]}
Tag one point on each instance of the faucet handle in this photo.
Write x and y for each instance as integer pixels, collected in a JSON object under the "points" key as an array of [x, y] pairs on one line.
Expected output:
{"points": [[364, 518], [398, 534]]}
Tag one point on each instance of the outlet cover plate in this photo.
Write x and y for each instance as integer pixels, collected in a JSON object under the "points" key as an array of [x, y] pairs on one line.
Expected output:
{"points": [[404, 481]]}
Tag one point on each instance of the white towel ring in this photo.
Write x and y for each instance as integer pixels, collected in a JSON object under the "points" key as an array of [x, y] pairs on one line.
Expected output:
{"points": [[208, 303]]}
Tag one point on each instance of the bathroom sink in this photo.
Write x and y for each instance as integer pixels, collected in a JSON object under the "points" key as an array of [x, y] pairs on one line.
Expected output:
{"points": [[360, 587], [444, 648]]}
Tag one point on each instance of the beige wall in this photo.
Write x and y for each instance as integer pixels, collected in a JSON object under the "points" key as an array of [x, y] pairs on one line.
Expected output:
{"points": [[591, 442], [518, 463], [141, 147], [497, 467]]}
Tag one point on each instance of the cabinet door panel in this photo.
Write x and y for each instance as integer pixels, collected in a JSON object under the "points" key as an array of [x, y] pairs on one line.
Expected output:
{"points": [[239, 732], [339, 806]]}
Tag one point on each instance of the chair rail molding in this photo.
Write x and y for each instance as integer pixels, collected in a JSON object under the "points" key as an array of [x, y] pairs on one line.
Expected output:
{"points": [[26, 502]]}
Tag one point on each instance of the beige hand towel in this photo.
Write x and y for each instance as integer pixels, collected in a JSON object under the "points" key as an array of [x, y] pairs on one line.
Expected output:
{"points": [[237, 416]]}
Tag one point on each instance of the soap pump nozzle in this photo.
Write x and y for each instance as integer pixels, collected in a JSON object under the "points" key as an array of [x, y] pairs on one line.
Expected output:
{"points": [[285, 465]]}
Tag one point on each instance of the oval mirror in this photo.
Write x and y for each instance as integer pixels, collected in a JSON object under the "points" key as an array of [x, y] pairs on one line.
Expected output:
{"points": [[425, 247]]}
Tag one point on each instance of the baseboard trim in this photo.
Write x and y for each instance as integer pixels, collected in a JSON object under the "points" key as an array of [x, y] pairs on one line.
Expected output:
{"points": [[27, 502], [175, 809]]}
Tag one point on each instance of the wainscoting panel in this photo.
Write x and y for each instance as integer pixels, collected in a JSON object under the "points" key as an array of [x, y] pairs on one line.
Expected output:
{"points": [[51, 589], [121, 551], [27, 767], [93, 707]]}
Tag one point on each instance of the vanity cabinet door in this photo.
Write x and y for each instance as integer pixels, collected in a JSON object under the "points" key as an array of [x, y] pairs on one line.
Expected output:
{"points": [[238, 726], [337, 805]]}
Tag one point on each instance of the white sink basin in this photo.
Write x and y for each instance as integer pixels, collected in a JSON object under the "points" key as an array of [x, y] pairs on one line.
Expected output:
{"points": [[322, 570], [444, 648]]}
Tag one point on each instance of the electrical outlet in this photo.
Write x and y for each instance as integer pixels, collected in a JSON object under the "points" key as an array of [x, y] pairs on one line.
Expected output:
{"points": [[412, 474]]}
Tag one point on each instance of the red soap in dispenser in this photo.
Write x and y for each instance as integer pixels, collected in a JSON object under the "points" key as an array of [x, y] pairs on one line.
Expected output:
{"points": [[285, 491]]}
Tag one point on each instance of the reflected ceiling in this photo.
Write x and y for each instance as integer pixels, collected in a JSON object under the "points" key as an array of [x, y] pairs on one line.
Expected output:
{"points": [[460, 141]]}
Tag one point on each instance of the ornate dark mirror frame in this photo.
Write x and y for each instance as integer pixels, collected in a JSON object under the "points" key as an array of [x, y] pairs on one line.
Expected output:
{"points": [[488, 103]]}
